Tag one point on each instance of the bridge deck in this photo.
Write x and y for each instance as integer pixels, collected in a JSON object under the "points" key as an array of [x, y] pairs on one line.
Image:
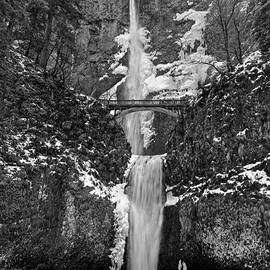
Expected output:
{"points": [[164, 103]]}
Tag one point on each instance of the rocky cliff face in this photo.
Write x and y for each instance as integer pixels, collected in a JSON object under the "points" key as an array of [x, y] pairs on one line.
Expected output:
{"points": [[59, 154], [218, 170], [217, 232], [98, 66], [96, 45]]}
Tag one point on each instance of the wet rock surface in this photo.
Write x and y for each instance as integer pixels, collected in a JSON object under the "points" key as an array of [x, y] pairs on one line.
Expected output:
{"points": [[162, 127]]}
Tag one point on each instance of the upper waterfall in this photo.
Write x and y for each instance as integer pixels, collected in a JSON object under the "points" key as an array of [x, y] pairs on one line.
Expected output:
{"points": [[134, 87]]}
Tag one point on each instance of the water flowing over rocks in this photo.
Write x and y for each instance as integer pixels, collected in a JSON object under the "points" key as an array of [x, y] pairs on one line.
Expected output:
{"points": [[145, 213]]}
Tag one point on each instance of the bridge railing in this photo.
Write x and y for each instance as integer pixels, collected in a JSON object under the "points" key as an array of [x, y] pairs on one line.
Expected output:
{"points": [[141, 103]]}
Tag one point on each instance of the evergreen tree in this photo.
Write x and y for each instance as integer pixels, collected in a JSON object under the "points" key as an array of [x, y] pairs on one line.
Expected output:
{"points": [[34, 30], [11, 15], [58, 11], [45, 30]]}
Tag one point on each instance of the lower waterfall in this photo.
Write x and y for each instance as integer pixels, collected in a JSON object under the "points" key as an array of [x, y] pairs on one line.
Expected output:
{"points": [[145, 213]]}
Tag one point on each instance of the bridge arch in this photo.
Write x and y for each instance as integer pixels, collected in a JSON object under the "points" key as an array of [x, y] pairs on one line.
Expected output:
{"points": [[169, 107], [155, 109]]}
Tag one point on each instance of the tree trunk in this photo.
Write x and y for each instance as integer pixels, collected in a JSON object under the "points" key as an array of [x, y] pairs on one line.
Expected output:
{"points": [[228, 56], [45, 50], [10, 26], [240, 57], [59, 48]]}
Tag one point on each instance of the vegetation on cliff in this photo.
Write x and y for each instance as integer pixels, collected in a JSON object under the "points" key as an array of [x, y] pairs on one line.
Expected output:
{"points": [[218, 165], [227, 128], [57, 151], [218, 161], [45, 30]]}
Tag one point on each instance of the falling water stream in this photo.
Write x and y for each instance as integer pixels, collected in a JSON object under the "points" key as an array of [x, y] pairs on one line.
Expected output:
{"points": [[146, 213], [146, 175]]}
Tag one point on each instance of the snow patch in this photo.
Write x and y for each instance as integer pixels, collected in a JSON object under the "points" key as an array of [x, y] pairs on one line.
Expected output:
{"points": [[253, 57], [217, 139], [242, 134], [257, 176], [131, 163], [251, 166], [196, 31], [122, 70], [121, 225], [147, 130], [217, 191], [153, 84], [111, 94], [104, 77], [171, 200], [86, 176]]}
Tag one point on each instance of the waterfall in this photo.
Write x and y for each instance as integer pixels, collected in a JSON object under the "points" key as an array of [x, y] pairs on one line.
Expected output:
{"points": [[132, 122], [145, 213], [134, 87], [146, 175]]}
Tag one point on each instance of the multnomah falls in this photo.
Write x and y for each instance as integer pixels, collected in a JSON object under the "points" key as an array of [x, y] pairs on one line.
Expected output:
{"points": [[146, 175], [134, 135]]}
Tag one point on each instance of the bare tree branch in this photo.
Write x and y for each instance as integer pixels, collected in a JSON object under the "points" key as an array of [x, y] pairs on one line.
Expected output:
{"points": [[235, 2], [209, 64]]}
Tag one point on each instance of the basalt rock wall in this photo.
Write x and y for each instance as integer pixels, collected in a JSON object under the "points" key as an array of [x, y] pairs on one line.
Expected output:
{"points": [[104, 20], [216, 233]]}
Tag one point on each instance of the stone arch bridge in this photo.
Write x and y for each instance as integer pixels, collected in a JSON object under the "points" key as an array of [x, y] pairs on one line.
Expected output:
{"points": [[170, 107]]}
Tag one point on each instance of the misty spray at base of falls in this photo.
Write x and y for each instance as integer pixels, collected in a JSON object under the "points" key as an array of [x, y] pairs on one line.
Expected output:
{"points": [[146, 208]]}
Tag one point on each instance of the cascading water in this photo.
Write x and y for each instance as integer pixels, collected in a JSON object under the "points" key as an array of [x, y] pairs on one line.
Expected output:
{"points": [[145, 213], [146, 176]]}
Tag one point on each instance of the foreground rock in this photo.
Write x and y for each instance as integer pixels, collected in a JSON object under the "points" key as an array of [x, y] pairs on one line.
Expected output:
{"points": [[217, 232]]}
